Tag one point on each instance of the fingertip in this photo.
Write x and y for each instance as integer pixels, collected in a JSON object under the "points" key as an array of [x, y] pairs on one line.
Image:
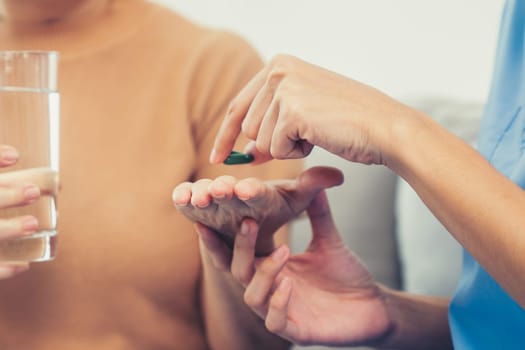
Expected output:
{"points": [[248, 227], [29, 225], [181, 194], [10, 270], [22, 267], [321, 177], [245, 228], [222, 187], [258, 156], [281, 254], [249, 189], [224, 142], [250, 148], [214, 157], [31, 193], [8, 155]]}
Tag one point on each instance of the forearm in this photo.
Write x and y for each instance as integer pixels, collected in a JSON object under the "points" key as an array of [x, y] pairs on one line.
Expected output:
{"points": [[419, 322], [229, 323], [478, 205]]}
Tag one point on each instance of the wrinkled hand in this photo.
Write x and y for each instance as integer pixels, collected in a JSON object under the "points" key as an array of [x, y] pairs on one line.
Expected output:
{"points": [[322, 296], [291, 106], [223, 203]]}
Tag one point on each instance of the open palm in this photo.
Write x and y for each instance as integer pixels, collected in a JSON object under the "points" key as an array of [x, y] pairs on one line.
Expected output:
{"points": [[332, 299], [223, 203]]}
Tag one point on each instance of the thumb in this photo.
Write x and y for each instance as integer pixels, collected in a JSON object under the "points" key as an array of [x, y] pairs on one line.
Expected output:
{"points": [[309, 183], [321, 221], [318, 178]]}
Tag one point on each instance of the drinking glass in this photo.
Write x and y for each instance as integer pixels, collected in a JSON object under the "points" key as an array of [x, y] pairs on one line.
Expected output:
{"points": [[29, 121]]}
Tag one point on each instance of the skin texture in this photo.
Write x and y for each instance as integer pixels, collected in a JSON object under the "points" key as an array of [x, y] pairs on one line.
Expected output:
{"points": [[290, 106], [130, 272], [224, 202]]}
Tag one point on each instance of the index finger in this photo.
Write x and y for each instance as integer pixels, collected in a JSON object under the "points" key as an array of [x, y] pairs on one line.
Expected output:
{"points": [[231, 125], [44, 178]]}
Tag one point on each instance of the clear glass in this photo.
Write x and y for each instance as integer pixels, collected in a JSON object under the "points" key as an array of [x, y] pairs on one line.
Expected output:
{"points": [[29, 121]]}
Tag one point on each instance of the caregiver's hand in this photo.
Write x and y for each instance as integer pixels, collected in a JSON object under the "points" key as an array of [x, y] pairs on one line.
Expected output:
{"points": [[291, 106], [322, 296], [12, 194]]}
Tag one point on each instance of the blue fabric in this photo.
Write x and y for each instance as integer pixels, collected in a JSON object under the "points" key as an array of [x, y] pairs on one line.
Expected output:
{"points": [[482, 315]]}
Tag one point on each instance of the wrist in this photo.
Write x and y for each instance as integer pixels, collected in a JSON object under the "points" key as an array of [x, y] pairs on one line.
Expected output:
{"points": [[406, 135], [417, 322]]}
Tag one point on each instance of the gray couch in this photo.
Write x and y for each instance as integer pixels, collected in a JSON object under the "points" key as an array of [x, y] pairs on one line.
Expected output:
{"points": [[384, 222]]}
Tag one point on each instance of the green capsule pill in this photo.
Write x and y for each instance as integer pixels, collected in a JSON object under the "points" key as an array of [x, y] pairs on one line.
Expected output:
{"points": [[238, 158]]}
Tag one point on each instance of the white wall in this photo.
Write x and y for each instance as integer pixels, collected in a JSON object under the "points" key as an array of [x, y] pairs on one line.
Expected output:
{"points": [[408, 48]]}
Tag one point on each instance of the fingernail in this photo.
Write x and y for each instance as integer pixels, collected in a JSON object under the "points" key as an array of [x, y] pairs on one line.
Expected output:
{"points": [[31, 192], [285, 284], [279, 254], [213, 156], [174, 197], [29, 224], [21, 268], [245, 228], [10, 155]]}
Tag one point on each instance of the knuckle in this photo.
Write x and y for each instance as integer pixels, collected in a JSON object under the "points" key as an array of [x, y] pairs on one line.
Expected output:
{"points": [[267, 268], [289, 109], [280, 67], [273, 327], [239, 274], [277, 304], [275, 77], [243, 277], [282, 60], [261, 145], [248, 129], [230, 111], [253, 300]]}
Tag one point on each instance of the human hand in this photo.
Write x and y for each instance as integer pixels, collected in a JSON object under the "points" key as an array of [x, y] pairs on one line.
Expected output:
{"points": [[322, 296], [15, 192], [223, 203], [291, 106]]}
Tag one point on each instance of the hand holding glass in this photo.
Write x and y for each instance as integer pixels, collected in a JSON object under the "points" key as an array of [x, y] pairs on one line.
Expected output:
{"points": [[29, 121]]}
